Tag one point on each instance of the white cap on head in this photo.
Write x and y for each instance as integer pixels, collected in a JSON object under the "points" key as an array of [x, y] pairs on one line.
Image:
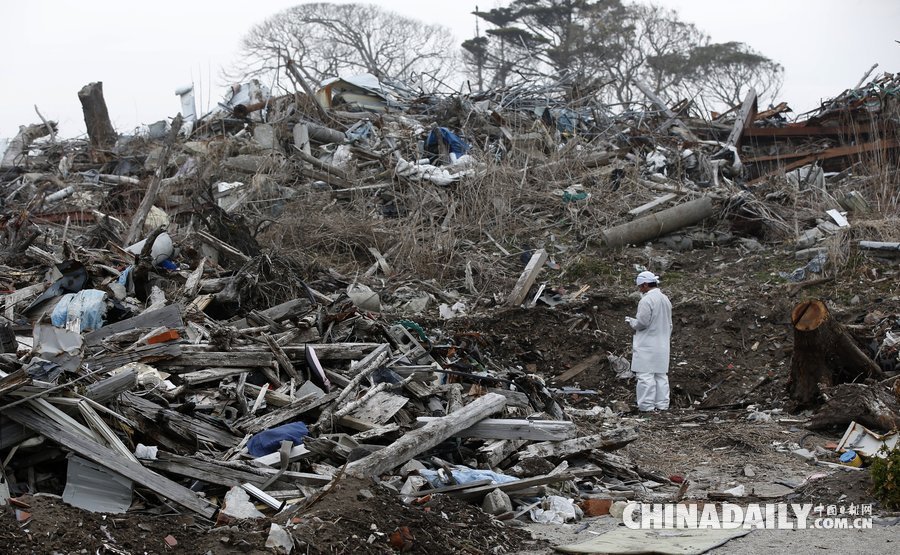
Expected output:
{"points": [[646, 277]]}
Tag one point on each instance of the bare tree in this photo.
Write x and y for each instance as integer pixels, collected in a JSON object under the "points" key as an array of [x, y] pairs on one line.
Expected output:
{"points": [[326, 39], [723, 73]]}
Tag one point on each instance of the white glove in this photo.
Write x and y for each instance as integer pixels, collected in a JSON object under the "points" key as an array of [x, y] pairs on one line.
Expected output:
{"points": [[629, 320]]}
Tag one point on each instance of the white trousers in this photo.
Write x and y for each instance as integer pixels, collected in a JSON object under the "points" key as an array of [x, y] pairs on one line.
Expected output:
{"points": [[652, 390]]}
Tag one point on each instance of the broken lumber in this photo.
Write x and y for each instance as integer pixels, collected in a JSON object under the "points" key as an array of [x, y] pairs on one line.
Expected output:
{"points": [[99, 454], [526, 280], [515, 428], [417, 441], [744, 119], [613, 439], [279, 416], [589, 362]]}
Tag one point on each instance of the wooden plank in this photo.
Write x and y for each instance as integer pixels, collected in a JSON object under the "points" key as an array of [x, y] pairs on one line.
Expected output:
{"points": [[810, 131], [324, 351], [211, 375], [140, 216], [279, 416], [232, 473], [274, 459], [515, 428], [836, 152], [10, 301], [613, 439], [147, 354], [646, 207], [168, 316], [664, 108], [526, 280], [495, 452], [524, 483], [447, 489], [589, 362], [222, 360], [281, 358], [744, 119], [380, 408], [182, 424], [272, 397], [93, 451], [416, 441], [222, 246], [278, 312], [514, 399]]}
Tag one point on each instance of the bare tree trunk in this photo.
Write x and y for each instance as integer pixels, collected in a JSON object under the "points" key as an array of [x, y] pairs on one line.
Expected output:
{"points": [[96, 116], [824, 354]]}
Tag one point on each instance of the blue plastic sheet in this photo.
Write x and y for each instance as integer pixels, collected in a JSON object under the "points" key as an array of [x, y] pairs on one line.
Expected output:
{"points": [[464, 475], [89, 305], [269, 441], [457, 145]]}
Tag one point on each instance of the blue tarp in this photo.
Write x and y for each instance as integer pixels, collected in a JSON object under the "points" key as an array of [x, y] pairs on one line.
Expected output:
{"points": [[89, 305], [269, 441], [464, 475], [457, 145]]}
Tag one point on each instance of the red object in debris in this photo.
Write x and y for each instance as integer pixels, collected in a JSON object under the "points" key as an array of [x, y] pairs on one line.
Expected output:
{"points": [[596, 507], [402, 539], [676, 478], [22, 516], [168, 335], [171, 541], [19, 502]]}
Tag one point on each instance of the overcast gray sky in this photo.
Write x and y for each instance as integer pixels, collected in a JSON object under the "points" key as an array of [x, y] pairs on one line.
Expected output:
{"points": [[143, 51]]}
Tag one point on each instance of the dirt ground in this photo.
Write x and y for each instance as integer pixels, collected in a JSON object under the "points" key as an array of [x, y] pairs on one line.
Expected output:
{"points": [[730, 358]]}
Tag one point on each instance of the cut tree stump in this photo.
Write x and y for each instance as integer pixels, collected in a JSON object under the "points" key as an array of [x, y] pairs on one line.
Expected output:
{"points": [[824, 355], [96, 117]]}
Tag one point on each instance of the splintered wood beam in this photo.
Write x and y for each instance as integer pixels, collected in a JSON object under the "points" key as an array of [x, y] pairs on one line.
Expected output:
{"points": [[515, 428], [137, 222], [279, 416], [431, 434], [613, 439], [744, 119], [526, 280], [105, 457], [589, 362]]}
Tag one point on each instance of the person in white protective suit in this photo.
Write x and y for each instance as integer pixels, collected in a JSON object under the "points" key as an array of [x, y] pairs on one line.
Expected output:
{"points": [[650, 348]]}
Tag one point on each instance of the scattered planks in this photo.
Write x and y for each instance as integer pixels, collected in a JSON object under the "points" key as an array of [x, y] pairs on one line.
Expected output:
{"points": [[416, 441], [95, 452]]}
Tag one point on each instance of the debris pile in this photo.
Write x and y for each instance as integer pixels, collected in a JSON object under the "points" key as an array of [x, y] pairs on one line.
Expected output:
{"points": [[246, 313]]}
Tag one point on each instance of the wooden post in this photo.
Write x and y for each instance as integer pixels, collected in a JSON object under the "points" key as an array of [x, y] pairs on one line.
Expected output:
{"points": [[417, 441], [96, 116], [137, 223], [824, 354], [744, 118], [660, 223], [526, 280]]}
